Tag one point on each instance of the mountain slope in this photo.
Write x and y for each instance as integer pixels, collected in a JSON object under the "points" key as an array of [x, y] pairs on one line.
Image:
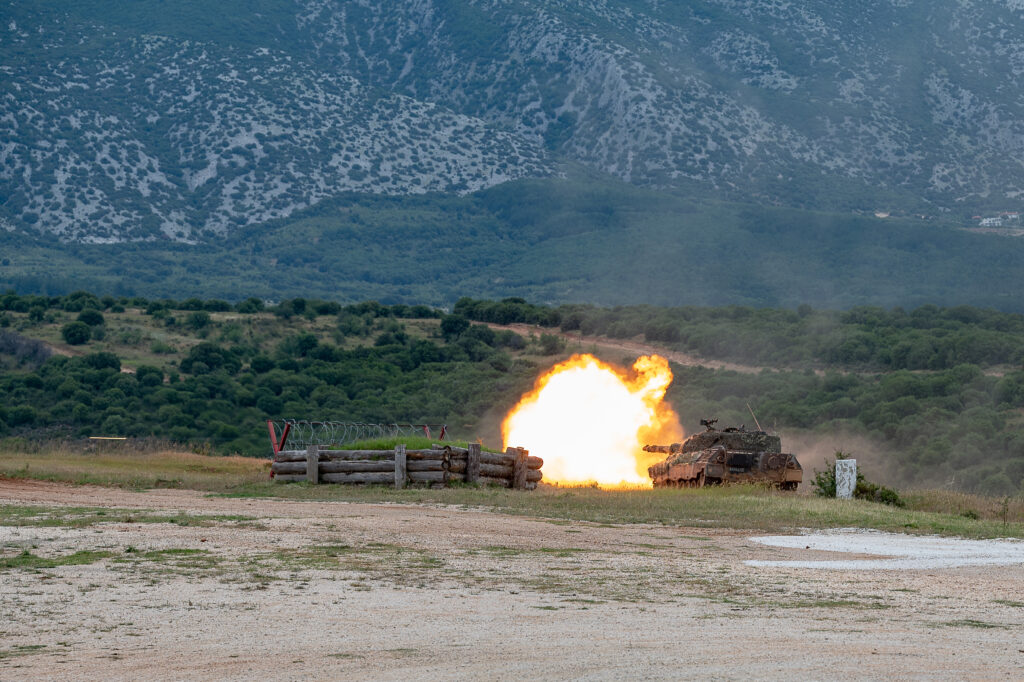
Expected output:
{"points": [[156, 137], [127, 121]]}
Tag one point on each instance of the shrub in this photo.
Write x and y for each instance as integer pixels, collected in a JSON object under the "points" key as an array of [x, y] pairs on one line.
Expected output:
{"points": [[551, 344], [197, 320], [76, 333], [825, 485], [149, 376], [270, 405], [21, 415], [102, 360], [261, 364], [250, 306], [91, 317], [452, 326]]}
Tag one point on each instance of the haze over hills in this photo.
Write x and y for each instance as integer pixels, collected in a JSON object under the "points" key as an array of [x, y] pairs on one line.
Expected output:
{"points": [[235, 124]]}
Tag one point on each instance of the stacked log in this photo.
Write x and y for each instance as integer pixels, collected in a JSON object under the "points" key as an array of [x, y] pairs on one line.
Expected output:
{"points": [[437, 465]]}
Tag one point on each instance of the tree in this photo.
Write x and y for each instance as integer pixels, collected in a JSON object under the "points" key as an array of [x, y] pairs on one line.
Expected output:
{"points": [[149, 376], [249, 306], [452, 326], [76, 333]]}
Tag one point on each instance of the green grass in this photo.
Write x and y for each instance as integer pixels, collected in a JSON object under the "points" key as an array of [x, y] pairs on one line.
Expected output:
{"points": [[972, 623], [28, 561], [410, 442], [83, 517], [181, 560], [1009, 602], [745, 507], [22, 650]]}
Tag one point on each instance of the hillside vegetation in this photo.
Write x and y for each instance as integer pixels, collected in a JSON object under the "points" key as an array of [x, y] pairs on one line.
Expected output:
{"points": [[613, 152], [210, 373], [578, 240]]}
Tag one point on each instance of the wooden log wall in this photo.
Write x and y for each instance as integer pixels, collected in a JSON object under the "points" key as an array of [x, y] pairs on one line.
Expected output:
{"points": [[438, 466]]}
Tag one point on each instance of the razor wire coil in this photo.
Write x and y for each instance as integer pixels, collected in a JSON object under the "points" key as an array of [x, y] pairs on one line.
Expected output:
{"points": [[302, 433]]}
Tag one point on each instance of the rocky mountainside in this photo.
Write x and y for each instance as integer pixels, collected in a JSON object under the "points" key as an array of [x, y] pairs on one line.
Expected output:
{"points": [[124, 121]]}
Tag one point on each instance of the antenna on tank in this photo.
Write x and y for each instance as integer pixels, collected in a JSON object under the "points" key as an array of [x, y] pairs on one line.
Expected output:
{"points": [[755, 418]]}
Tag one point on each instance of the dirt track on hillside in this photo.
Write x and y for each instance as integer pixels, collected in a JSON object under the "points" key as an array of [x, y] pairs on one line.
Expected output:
{"points": [[248, 588], [632, 348], [637, 348]]}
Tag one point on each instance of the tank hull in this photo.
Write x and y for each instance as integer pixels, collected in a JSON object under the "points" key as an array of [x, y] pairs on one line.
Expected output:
{"points": [[731, 456]]}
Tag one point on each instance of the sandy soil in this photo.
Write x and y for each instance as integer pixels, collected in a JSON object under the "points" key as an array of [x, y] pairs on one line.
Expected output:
{"points": [[297, 590]]}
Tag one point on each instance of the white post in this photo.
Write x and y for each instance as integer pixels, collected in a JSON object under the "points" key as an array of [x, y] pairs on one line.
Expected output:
{"points": [[846, 478], [400, 466]]}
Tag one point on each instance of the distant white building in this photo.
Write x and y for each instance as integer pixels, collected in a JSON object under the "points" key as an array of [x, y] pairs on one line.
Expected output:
{"points": [[991, 222]]}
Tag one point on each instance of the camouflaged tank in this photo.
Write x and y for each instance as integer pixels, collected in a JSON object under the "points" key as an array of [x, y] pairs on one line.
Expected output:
{"points": [[730, 455]]}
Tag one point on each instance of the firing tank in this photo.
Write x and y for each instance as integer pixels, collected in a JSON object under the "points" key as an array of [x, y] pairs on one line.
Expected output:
{"points": [[728, 455]]}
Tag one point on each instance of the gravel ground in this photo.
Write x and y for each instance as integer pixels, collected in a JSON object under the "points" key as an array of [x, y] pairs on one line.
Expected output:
{"points": [[907, 552], [245, 588]]}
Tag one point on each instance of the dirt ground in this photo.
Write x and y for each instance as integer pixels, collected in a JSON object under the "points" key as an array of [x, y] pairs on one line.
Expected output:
{"points": [[186, 586]]}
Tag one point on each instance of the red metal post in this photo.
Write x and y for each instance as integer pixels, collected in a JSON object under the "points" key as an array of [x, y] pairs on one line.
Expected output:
{"points": [[273, 437]]}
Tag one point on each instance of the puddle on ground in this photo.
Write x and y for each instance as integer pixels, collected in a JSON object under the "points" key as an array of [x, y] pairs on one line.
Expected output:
{"points": [[897, 552]]}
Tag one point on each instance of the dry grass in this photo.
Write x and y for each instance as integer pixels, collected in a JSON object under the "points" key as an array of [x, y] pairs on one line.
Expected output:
{"points": [[971, 506], [139, 470]]}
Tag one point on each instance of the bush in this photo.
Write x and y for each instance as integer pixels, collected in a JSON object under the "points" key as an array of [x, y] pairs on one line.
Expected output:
{"points": [[452, 326], [102, 360], [21, 415], [261, 364], [250, 306], [551, 344], [271, 405], [149, 376], [91, 317], [197, 320], [76, 333]]}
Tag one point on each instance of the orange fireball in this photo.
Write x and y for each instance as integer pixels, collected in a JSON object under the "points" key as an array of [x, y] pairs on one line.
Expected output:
{"points": [[590, 420]]}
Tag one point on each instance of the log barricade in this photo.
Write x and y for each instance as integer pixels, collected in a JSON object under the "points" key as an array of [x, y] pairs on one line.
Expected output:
{"points": [[437, 466]]}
